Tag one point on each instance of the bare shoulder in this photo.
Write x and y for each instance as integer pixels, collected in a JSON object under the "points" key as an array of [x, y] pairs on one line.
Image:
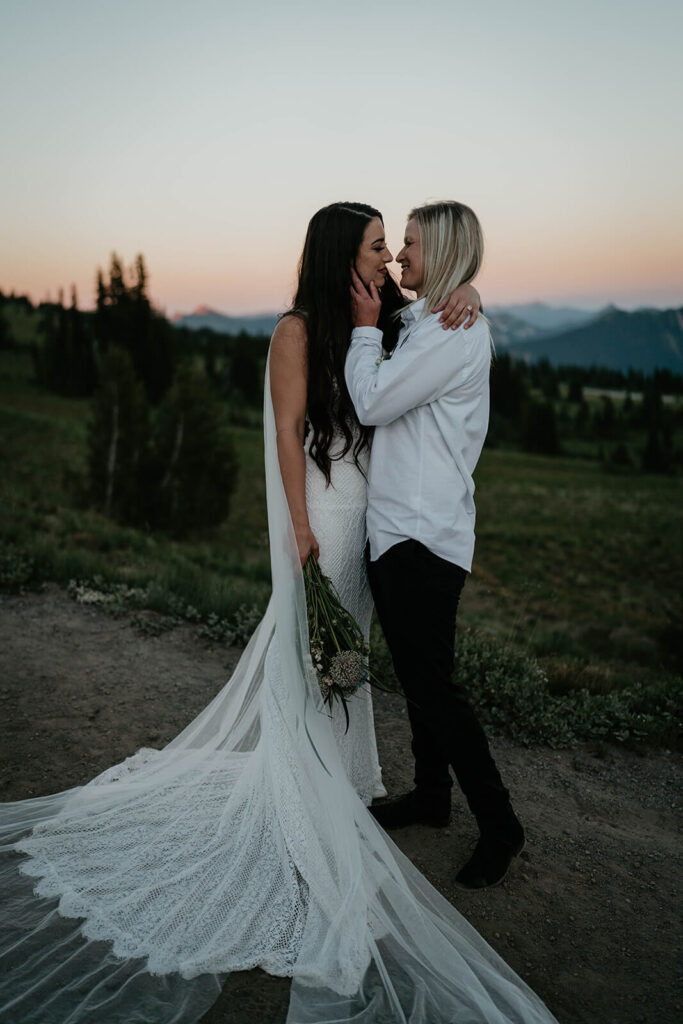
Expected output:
{"points": [[289, 341]]}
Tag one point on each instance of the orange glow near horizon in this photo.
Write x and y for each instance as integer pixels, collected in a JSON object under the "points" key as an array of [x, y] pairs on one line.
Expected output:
{"points": [[602, 270]]}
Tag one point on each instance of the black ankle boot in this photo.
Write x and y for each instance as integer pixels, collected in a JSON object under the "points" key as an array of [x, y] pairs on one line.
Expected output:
{"points": [[411, 809], [492, 857]]}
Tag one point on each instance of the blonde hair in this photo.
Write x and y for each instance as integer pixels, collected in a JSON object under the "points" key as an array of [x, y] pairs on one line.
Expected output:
{"points": [[452, 247]]}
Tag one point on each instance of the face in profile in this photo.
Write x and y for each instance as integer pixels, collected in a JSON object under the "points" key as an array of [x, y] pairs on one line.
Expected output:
{"points": [[411, 258], [373, 255]]}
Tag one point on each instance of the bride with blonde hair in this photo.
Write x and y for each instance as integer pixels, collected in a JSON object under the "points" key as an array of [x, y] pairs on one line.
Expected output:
{"points": [[246, 841]]}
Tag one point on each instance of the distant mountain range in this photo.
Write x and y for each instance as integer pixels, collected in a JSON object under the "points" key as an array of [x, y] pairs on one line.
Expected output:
{"points": [[263, 323], [543, 318], [644, 340]]}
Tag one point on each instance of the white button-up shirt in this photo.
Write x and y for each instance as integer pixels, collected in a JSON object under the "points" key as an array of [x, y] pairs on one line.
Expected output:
{"points": [[429, 403]]}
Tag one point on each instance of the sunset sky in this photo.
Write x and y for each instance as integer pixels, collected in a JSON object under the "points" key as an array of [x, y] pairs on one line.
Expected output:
{"points": [[205, 136]]}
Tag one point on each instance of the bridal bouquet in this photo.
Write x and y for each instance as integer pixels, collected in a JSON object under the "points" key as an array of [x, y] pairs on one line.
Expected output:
{"points": [[338, 648]]}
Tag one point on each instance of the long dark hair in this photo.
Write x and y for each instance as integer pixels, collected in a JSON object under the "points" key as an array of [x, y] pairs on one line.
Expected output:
{"points": [[323, 300]]}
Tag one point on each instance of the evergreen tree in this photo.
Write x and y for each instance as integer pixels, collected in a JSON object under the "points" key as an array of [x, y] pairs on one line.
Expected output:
{"points": [[652, 406], [508, 387], [118, 440], [50, 356], [604, 419], [582, 420], [5, 333], [539, 432], [575, 389], [125, 317], [211, 359], [118, 293], [83, 372], [544, 377], [245, 372], [65, 360], [658, 454], [195, 465], [139, 289]]}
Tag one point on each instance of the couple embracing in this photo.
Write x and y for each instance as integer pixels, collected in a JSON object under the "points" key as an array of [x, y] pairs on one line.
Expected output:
{"points": [[247, 841], [413, 398]]}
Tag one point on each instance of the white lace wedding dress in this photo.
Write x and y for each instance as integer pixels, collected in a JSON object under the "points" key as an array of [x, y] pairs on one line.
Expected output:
{"points": [[337, 516], [245, 841]]}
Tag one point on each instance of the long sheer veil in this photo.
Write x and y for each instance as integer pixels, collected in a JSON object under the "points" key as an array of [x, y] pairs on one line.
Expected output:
{"points": [[119, 905]]}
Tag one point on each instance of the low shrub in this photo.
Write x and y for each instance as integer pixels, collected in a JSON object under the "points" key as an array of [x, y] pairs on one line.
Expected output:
{"points": [[172, 610], [17, 569], [511, 695]]}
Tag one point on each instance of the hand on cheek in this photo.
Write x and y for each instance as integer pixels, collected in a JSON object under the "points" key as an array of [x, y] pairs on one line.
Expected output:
{"points": [[366, 303]]}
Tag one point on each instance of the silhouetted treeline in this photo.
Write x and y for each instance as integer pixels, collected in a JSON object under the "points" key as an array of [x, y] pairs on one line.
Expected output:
{"points": [[66, 360], [541, 409], [124, 318], [73, 343], [234, 363], [160, 452], [665, 382], [6, 339], [21, 301], [536, 407], [174, 469]]}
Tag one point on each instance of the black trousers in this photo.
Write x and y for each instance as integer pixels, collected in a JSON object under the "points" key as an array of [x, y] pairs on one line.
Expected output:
{"points": [[416, 596]]}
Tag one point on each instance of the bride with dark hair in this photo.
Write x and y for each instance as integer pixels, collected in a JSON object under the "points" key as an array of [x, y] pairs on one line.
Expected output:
{"points": [[246, 841]]}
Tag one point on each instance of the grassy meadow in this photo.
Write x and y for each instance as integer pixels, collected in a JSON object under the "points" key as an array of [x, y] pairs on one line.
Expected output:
{"points": [[578, 573]]}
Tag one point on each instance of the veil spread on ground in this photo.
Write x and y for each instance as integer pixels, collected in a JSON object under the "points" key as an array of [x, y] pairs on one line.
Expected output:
{"points": [[242, 843]]}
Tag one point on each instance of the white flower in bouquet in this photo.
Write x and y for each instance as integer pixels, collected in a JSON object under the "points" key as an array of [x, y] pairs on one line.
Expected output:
{"points": [[348, 671]]}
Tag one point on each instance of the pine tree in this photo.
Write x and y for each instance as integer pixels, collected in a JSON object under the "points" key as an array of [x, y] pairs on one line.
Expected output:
{"points": [[658, 454], [508, 387], [575, 390], [5, 333], [118, 441], [125, 317], [83, 372], [50, 356], [605, 419], [245, 374], [539, 432], [65, 359], [195, 465]]}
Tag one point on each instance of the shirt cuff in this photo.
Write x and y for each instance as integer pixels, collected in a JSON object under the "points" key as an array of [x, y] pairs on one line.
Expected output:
{"points": [[367, 333]]}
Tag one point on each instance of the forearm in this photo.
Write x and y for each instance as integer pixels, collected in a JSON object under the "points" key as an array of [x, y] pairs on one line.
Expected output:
{"points": [[360, 371], [383, 390], [292, 459]]}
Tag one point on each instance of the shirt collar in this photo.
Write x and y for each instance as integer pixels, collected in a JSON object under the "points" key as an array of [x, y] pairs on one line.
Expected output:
{"points": [[413, 312]]}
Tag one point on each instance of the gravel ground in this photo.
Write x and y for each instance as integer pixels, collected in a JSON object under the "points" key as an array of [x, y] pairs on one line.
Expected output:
{"points": [[590, 914]]}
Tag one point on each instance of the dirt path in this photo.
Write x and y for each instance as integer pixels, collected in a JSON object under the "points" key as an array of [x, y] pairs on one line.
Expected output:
{"points": [[590, 916]]}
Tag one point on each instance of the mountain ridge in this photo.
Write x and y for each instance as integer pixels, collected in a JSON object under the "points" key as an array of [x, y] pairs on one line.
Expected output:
{"points": [[642, 339]]}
